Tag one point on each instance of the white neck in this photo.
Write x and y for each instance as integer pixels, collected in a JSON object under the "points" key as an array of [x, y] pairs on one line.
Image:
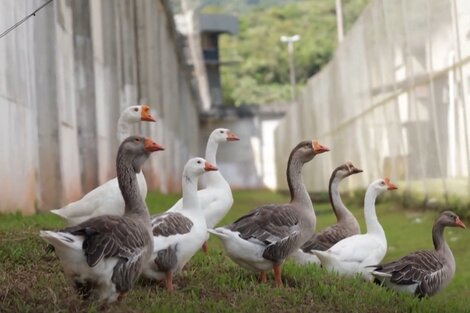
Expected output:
{"points": [[213, 178], [211, 151], [123, 129], [190, 198], [372, 223]]}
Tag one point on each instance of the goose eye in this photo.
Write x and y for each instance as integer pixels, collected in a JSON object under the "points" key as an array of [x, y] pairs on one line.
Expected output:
{"points": [[382, 183], [221, 131], [198, 162], [137, 140], [135, 109]]}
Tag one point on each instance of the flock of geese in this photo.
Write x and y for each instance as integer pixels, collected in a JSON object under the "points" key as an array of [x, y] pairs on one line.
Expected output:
{"points": [[111, 239]]}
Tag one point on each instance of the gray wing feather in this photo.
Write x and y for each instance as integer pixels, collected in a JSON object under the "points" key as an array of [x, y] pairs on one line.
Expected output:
{"points": [[166, 259], [267, 223], [171, 223], [326, 238], [114, 236], [426, 268], [280, 250]]}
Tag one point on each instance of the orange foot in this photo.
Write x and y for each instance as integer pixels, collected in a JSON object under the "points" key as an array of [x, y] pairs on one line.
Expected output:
{"points": [[169, 282], [121, 296], [262, 277], [277, 275], [205, 247]]}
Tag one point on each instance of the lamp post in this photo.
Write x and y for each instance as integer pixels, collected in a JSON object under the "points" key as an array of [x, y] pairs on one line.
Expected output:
{"points": [[339, 21], [290, 49]]}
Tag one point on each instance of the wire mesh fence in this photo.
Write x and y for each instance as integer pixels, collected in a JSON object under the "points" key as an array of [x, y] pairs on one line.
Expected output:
{"points": [[394, 100]]}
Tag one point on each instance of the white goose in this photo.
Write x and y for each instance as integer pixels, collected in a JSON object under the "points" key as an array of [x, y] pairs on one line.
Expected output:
{"points": [[106, 199], [355, 254], [216, 198], [178, 235]]}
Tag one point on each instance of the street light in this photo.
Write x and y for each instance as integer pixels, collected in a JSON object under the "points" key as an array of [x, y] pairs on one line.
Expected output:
{"points": [[290, 49]]}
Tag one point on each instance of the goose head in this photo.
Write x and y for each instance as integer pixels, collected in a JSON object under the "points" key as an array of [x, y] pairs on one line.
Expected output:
{"points": [[449, 218], [382, 185], [221, 135], [347, 169], [137, 113], [198, 166], [306, 150], [138, 149]]}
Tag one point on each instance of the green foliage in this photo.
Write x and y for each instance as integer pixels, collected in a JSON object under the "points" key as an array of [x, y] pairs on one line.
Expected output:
{"points": [[263, 72]]}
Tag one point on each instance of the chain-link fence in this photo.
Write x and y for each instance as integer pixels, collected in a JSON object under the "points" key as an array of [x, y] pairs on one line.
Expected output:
{"points": [[394, 100]]}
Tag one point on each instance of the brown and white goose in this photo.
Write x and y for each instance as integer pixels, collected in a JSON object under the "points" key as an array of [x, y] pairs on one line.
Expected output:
{"points": [[426, 272], [265, 237], [104, 256], [346, 225]]}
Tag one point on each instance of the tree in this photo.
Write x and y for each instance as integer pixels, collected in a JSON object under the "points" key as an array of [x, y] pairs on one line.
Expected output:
{"points": [[262, 75]]}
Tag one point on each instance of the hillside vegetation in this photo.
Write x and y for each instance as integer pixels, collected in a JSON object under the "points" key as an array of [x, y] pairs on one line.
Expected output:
{"points": [[31, 280], [262, 74]]}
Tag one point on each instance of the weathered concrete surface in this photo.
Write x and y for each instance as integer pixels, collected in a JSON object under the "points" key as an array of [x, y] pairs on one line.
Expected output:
{"points": [[66, 74]]}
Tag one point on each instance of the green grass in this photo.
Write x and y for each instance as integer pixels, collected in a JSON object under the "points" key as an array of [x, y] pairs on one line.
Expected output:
{"points": [[32, 281]]}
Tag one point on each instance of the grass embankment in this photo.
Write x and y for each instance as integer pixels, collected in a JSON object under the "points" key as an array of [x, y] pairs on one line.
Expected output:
{"points": [[32, 280]]}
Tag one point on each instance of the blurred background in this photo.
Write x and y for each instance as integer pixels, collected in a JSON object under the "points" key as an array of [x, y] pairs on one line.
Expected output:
{"points": [[383, 83]]}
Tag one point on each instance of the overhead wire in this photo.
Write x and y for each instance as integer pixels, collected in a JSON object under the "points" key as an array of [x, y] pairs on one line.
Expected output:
{"points": [[24, 19]]}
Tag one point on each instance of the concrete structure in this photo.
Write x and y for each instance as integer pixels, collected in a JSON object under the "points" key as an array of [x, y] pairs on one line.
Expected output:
{"points": [[394, 100], [250, 162], [66, 74], [211, 26]]}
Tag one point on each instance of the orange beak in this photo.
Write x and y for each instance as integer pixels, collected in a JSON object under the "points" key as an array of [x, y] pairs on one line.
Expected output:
{"points": [[152, 146], [231, 136], [318, 148], [209, 167], [459, 223], [145, 114], [390, 186]]}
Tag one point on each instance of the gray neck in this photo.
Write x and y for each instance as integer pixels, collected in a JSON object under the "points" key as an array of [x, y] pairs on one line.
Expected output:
{"points": [[127, 179], [123, 129], [372, 223], [337, 204], [298, 191], [440, 243], [190, 198], [343, 215]]}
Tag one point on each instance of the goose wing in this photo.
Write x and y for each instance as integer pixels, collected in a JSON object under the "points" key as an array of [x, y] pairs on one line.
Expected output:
{"points": [[425, 268], [114, 236], [326, 238], [268, 224], [170, 223]]}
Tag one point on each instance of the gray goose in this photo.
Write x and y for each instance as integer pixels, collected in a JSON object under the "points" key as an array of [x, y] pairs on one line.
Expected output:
{"points": [[265, 237], [104, 256], [426, 272], [346, 225]]}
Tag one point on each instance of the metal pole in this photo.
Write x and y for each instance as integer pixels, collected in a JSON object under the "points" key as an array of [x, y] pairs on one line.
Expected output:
{"points": [[290, 49], [339, 21]]}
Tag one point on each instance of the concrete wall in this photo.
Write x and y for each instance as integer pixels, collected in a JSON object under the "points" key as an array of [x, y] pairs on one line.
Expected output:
{"points": [[66, 74]]}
